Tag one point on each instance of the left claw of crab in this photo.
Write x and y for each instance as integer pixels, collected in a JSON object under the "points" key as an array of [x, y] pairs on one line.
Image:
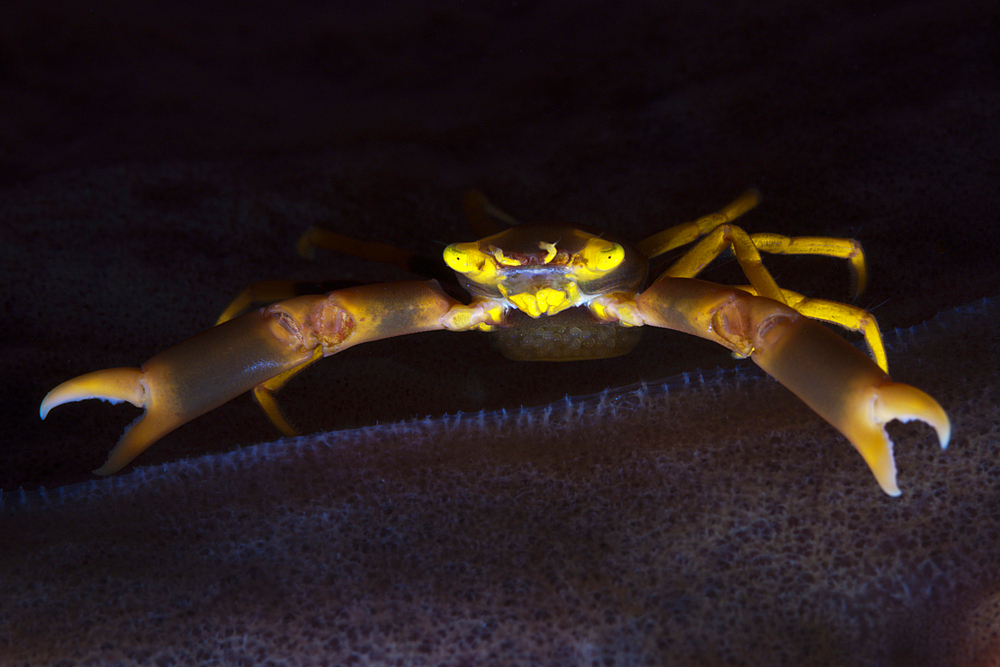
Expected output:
{"points": [[184, 381], [114, 385], [248, 352], [117, 385]]}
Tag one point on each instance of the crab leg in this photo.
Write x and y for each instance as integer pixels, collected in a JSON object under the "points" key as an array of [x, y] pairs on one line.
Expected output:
{"points": [[831, 376], [214, 367]]}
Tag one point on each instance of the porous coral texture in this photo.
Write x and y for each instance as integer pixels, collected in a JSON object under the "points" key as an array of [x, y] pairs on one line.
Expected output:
{"points": [[711, 520]]}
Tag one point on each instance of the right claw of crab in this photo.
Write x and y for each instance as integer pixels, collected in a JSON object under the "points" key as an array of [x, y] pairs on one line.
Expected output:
{"points": [[847, 389], [892, 400]]}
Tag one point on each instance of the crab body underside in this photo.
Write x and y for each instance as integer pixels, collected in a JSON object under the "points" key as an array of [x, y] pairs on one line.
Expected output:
{"points": [[544, 292]]}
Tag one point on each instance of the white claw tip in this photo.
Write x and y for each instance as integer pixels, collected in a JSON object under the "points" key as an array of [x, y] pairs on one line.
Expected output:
{"points": [[891, 489], [904, 403], [944, 433]]}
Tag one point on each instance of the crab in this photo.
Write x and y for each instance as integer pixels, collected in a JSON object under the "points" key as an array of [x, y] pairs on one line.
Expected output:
{"points": [[544, 291]]}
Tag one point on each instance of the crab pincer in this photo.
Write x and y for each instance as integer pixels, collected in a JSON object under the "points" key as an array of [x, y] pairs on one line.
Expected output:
{"points": [[831, 376], [249, 352], [548, 291]]}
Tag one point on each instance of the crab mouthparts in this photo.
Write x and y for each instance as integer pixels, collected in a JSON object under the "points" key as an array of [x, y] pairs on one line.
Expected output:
{"points": [[542, 297]]}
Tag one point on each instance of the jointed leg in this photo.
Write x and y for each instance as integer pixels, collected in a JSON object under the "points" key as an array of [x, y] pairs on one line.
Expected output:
{"points": [[407, 260], [747, 249], [265, 391], [265, 291], [719, 236], [270, 291], [315, 237], [848, 249], [842, 314], [484, 218], [687, 232], [714, 244]]}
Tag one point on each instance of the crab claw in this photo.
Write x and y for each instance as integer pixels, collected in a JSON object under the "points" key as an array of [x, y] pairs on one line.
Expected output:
{"points": [[889, 401], [116, 385], [839, 382], [258, 351], [844, 387], [186, 380]]}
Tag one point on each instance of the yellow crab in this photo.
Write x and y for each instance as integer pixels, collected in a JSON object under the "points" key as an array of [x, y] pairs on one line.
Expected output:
{"points": [[548, 291]]}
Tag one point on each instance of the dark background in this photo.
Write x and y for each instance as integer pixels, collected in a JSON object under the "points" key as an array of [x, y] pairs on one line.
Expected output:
{"points": [[159, 158], [155, 158]]}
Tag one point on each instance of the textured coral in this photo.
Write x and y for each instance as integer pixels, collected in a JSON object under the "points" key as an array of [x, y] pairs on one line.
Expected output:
{"points": [[711, 520], [157, 157]]}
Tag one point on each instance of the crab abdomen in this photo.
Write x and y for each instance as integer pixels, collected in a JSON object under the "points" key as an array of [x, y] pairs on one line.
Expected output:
{"points": [[572, 335]]}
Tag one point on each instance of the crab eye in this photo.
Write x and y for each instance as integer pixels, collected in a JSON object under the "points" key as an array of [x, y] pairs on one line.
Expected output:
{"points": [[464, 257], [473, 263], [601, 256]]}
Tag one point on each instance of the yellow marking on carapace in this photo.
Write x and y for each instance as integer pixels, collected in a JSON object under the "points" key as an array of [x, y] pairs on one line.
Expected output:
{"points": [[550, 251], [504, 259]]}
